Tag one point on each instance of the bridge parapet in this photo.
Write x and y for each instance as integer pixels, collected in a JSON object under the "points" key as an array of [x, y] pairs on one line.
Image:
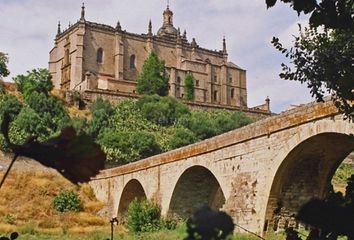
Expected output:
{"points": [[291, 118]]}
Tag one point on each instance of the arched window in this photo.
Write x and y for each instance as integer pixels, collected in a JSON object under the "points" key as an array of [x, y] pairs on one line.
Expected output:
{"points": [[100, 55], [132, 62]]}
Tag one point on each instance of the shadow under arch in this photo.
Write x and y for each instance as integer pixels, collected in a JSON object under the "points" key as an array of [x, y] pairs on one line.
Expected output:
{"points": [[305, 173], [197, 186], [133, 189]]}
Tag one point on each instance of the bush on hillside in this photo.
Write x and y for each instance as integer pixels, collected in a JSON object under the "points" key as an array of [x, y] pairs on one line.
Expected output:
{"points": [[182, 137], [101, 111], [164, 111], [130, 145], [143, 216], [37, 80], [67, 201]]}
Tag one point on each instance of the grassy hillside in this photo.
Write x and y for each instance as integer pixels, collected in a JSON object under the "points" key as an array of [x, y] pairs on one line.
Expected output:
{"points": [[26, 205]]}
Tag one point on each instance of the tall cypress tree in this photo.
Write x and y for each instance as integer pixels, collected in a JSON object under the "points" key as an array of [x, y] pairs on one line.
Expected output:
{"points": [[153, 78], [189, 87]]}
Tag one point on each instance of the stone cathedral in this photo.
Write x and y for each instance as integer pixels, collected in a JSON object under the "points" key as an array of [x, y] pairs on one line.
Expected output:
{"points": [[98, 58]]}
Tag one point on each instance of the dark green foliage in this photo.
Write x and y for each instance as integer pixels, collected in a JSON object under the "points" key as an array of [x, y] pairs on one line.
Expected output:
{"points": [[182, 137], [201, 124], [143, 216], [164, 111], [52, 111], [67, 201], [153, 78], [335, 14], [4, 71], [37, 80], [130, 145], [10, 105], [227, 121], [101, 111], [208, 124], [28, 124], [189, 87]]}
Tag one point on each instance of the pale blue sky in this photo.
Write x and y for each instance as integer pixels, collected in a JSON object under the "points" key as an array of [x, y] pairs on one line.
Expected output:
{"points": [[28, 28]]}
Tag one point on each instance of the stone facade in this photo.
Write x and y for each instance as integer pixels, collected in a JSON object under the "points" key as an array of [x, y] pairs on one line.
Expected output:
{"points": [[259, 174], [92, 56]]}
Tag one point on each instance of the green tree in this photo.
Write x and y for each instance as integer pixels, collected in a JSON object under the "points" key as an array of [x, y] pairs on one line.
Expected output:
{"points": [[189, 87], [4, 71], [182, 137], [37, 80], [323, 53], [164, 111], [51, 110], [28, 124], [10, 105], [128, 146], [101, 111], [153, 78]]}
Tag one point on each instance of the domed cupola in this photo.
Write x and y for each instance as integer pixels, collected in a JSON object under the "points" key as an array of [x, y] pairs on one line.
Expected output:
{"points": [[167, 28]]}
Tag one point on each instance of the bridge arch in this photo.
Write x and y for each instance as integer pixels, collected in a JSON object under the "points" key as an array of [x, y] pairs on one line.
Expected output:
{"points": [[305, 173], [196, 186], [133, 189]]}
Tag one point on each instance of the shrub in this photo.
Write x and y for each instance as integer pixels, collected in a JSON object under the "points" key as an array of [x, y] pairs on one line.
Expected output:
{"points": [[67, 201], [8, 218], [162, 110], [143, 216], [182, 137]]}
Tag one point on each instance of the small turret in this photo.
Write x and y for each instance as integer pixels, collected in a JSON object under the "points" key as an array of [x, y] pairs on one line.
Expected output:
{"points": [[194, 43], [150, 28], [59, 29], [224, 51], [118, 26], [82, 18], [185, 34]]}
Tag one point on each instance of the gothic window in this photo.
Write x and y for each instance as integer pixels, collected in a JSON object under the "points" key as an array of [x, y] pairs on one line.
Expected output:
{"points": [[178, 80], [230, 79], [215, 78], [197, 83], [100, 55], [215, 95], [232, 93], [66, 57], [132, 62]]}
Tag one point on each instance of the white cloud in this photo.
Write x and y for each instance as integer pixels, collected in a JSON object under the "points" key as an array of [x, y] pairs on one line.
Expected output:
{"points": [[30, 27]]}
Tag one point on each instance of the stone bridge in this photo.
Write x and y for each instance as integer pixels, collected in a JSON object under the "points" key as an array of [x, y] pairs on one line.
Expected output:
{"points": [[278, 163]]}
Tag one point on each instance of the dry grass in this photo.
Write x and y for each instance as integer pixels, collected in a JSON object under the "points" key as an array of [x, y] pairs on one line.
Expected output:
{"points": [[26, 205]]}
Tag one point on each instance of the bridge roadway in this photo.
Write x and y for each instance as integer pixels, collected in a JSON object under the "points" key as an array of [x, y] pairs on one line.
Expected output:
{"points": [[278, 163]]}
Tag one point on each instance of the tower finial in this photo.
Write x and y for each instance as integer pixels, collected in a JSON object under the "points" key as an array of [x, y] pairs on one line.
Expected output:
{"points": [[118, 26], [59, 30], [168, 4], [150, 28], [224, 45], [83, 12]]}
